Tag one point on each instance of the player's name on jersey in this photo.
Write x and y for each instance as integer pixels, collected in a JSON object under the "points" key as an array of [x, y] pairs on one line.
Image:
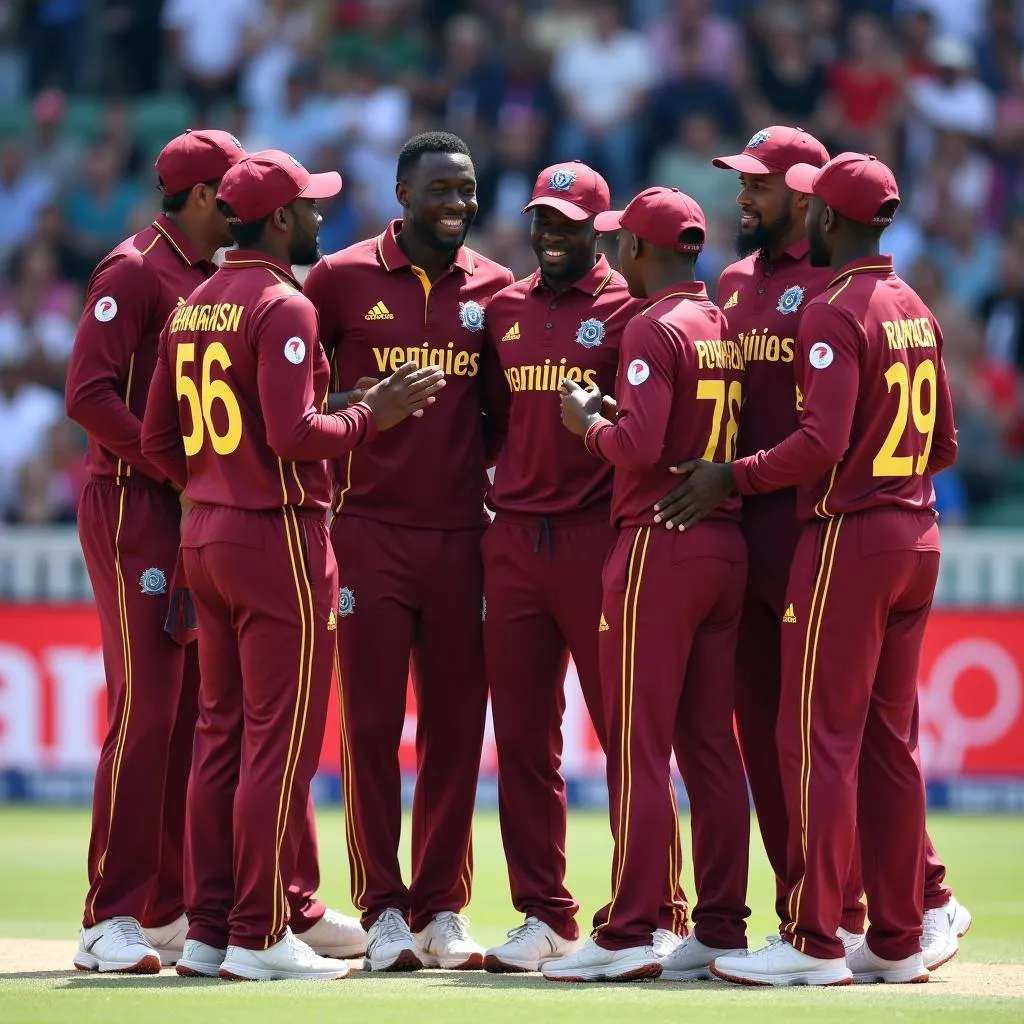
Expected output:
{"points": [[719, 354], [913, 333], [454, 363], [766, 348], [548, 376], [221, 316]]}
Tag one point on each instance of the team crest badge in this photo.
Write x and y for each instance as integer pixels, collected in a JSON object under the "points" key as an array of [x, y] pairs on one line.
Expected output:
{"points": [[471, 315], [591, 333], [790, 299], [346, 602], [562, 180], [153, 581], [759, 138]]}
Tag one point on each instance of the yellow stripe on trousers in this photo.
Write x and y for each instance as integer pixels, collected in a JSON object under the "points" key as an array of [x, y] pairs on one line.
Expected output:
{"points": [[816, 614], [356, 862], [675, 866], [637, 557], [304, 599], [126, 650]]}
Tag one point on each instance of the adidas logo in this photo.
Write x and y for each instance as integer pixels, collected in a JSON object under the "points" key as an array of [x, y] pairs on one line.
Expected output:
{"points": [[332, 622], [733, 300], [790, 615], [602, 626], [512, 334], [380, 312]]}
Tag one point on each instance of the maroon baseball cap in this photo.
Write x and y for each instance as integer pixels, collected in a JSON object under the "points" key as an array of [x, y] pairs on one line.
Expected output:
{"points": [[855, 185], [659, 216], [261, 182], [195, 157], [571, 188], [774, 150]]}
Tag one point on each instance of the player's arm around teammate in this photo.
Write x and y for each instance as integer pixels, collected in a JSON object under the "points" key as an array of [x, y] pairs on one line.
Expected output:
{"points": [[670, 611]]}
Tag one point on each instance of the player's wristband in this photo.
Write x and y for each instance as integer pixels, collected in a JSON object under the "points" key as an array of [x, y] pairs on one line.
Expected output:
{"points": [[590, 436]]}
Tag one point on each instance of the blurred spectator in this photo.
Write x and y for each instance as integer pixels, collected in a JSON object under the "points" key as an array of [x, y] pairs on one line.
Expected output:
{"points": [[23, 193], [962, 18], [56, 30], [1001, 310], [285, 35], [385, 38], [52, 153], [37, 267], [341, 213], [716, 40], [134, 48], [51, 233], [49, 485], [959, 176], [1008, 137], [603, 82], [505, 179], [967, 254], [558, 24], [1001, 40]]}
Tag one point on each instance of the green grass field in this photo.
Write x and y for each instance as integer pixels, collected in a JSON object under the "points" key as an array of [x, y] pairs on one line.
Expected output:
{"points": [[42, 854]]}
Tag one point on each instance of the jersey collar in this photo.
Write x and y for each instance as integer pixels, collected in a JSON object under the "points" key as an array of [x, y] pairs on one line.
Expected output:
{"points": [[797, 251], [592, 283], [391, 256], [880, 265], [176, 239], [243, 259]]}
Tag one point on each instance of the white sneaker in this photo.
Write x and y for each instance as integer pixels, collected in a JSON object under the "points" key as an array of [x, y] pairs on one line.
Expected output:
{"points": [[592, 963], [943, 929], [446, 943], [390, 945], [868, 968], [199, 960], [779, 963], [336, 935], [116, 944], [288, 960], [691, 960], [168, 941], [852, 941], [665, 942], [529, 946]]}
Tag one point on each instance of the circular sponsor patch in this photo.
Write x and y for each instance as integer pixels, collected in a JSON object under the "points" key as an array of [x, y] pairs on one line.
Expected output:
{"points": [[638, 372], [821, 355], [295, 350], [105, 309]]}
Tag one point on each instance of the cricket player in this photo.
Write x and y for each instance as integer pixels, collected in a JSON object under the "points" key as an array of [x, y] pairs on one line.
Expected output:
{"points": [[544, 552], [764, 295], [232, 417], [876, 423], [409, 517], [671, 610], [128, 523]]}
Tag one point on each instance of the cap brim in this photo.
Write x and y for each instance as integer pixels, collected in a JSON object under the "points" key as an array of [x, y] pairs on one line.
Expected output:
{"points": [[800, 178], [322, 186], [571, 210], [744, 163], [611, 220]]}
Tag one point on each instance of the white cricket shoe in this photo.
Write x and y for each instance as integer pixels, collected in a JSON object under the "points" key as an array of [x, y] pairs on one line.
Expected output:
{"points": [[288, 960], [665, 942], [779, 963], [868, 968], [592, 963], [529, 946], [116, 944], [446, 943], [691, 960], [390, 945], [200, 960], [852, 941], [336, 935], [943, 928], [168, 941]]}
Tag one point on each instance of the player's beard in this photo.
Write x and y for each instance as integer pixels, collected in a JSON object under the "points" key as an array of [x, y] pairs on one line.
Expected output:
{"points": [[765, 234], [305, 249], [817, 253]]}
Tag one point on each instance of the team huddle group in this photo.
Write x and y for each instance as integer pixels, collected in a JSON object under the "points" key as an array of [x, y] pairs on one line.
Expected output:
{"points": [[723, 513]]}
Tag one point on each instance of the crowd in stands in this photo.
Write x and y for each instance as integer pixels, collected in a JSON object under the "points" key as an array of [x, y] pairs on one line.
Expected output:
{"points": [[648, 91]]}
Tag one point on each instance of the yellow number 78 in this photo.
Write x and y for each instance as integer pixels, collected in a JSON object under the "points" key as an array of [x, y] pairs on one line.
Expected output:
{"points": [[711, 390]]}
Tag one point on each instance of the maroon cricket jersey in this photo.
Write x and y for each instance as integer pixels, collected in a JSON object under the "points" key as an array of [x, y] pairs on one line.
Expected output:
{"points": [[679, 393], [877, 417], [537, 339], [233, 410], [130, 296], [378, 311]]}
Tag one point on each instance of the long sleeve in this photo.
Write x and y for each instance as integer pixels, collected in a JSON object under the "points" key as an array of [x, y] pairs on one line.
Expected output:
{"points": [[831, 382], [497, 399], [296, 431], [647, 378], [161, 439]]}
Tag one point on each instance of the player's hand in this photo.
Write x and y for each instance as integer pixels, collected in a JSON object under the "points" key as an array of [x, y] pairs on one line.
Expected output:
{"points": [[705, 486], [579, 406], [609, 408], [338, 400], [405, 393]]}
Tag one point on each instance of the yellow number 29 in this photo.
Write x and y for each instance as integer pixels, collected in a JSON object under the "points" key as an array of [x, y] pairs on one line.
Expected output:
{"points": [[200, 400], [714, 391], [910, 407]]}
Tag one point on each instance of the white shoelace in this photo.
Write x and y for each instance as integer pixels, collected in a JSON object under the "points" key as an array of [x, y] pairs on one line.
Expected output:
{"points": [[391, 926], [525, 931], [127, 929], [935, 923], [455, 927]]}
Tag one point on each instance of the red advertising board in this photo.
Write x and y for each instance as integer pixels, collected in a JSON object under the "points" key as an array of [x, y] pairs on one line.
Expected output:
{"points": [[52, 709]]}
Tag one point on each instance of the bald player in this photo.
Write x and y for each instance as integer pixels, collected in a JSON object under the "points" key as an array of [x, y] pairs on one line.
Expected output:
{"points": [[233, 418], [764, 295], [670, 610], [877, 422]]}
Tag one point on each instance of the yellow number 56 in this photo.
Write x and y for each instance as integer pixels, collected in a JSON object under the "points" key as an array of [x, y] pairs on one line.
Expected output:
{"points": [[910, 407], [200, 400]]}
